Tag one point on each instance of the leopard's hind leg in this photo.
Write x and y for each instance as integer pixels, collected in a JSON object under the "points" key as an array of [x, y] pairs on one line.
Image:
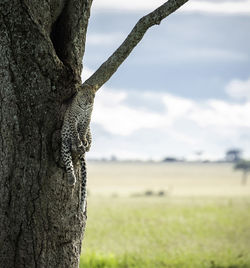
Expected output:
{"points": [[67, 161]]}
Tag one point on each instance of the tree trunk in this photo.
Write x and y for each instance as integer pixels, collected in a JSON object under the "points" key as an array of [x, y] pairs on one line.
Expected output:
{"points": [[244, 177], [41, 49]]}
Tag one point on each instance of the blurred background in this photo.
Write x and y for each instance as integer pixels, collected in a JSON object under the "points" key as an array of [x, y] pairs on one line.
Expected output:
{"points": [[184, 89], [169, 162]]}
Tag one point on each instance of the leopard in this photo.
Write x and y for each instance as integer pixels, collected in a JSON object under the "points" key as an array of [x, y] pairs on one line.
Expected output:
{"points": [[76, 137]]}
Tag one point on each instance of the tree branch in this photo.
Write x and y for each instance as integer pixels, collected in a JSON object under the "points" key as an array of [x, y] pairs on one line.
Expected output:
{"points": [[109, 67]]}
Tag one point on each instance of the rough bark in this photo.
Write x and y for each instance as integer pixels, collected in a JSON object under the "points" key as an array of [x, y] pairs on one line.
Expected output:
{"points": [[41, 49]]}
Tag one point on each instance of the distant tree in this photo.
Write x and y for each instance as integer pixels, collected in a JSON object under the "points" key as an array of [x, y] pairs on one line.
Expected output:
{"points": [[113, 158], [233, 155], [170, 159], [245, 167], [199, 155]]}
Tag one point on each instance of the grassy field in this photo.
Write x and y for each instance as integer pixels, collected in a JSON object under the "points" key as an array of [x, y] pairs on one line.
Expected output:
{"points": [[201, 219]]}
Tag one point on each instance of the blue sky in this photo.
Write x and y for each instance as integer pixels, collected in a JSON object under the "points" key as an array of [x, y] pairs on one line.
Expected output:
{"points": [[185, 88]]}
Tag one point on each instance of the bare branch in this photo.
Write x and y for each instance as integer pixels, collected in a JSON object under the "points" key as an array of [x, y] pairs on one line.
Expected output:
{"points": [[109, 67]]}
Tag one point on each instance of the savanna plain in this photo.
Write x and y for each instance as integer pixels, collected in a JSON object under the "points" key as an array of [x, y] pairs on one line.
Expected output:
{"points": [[179, 215]]}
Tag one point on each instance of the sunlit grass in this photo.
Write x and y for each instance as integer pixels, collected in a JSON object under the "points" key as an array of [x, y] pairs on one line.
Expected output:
{"points": [[167, 232]]}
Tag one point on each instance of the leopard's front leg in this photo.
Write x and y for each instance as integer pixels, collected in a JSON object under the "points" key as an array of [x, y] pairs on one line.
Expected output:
{"points": [[85, 136], [89, 139], [71, 143], [75, 139], [66, 154]]}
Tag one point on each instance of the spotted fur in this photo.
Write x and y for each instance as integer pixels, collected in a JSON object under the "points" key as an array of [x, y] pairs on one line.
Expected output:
{"points": [[84, 184], [76, 137]]}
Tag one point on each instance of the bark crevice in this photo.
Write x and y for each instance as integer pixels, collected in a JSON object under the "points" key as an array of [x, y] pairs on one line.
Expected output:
{"points": [[58, 35]]}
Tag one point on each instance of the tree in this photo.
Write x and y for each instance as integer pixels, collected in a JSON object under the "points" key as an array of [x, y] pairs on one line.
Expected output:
{"points": [[233, 155], [243, 165], [41, 50]]}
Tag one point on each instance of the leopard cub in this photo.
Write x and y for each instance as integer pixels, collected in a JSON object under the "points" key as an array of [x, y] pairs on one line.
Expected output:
{"points": [[76, 136]]}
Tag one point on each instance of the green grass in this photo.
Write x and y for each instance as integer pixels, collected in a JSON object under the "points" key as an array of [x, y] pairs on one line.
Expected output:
{"points": [[148, 232]]}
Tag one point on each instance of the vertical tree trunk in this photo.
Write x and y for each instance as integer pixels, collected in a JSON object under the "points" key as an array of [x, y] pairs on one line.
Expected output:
{"points": [[244, 177], [41, 49]]}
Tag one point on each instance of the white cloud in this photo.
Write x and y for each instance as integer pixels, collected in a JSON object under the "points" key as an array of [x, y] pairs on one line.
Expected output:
{"points": [[181, 128], [104, 39], [221, 114], [118, 118], [215, 7], [223, 7], [211, 54], [239, 89], [86, 73], [128, 5], [176, 107]]}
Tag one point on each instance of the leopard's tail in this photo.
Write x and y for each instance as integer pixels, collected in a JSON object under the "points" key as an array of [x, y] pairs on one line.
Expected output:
{"points": [[83, 198]]}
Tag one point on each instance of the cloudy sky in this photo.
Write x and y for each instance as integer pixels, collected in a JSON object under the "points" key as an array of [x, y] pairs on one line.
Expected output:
{"points": [[184, 89]]}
